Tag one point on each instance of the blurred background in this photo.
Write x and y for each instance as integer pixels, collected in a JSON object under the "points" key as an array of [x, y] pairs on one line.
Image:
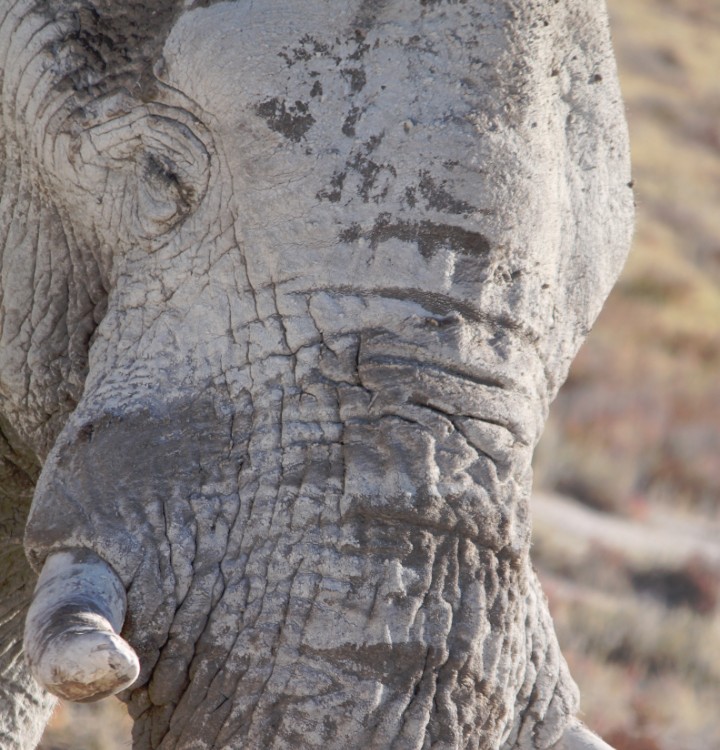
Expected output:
{"points": [[631, 563], [627, 509]]}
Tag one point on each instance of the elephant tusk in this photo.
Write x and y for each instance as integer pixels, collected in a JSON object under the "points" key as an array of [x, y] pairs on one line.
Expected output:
{"points": [[578, 737], [71, 631]]}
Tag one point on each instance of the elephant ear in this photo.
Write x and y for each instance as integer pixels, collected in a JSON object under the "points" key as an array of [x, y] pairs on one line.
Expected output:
{"points": [[595, 191], [578, 737]]}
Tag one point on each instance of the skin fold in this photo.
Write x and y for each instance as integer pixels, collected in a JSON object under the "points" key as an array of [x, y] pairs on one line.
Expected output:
{"points": [[286, 292]]}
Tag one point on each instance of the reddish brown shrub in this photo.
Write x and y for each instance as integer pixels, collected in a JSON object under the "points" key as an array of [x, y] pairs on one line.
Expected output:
{"points": [[622, 739], [695, 585]]}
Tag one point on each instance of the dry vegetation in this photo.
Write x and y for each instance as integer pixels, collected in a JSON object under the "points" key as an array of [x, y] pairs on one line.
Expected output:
{"points": [[88, 726], [636, 431]]}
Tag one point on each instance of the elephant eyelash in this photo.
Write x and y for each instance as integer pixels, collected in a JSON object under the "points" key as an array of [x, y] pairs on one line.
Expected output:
{"points": [[164, 170], [155, 166]]}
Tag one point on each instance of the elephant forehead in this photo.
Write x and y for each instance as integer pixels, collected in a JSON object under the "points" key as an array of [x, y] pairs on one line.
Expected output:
{"points": [[325, 78], [229, 53], [380, 148], [465, 150]]}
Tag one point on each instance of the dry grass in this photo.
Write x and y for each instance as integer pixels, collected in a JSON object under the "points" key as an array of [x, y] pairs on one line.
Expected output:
{"points": [[639, 625], [644, 671], [88, 726]]}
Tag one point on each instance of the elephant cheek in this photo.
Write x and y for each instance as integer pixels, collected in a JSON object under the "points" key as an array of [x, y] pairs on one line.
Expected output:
{"points": [[121, 485]]}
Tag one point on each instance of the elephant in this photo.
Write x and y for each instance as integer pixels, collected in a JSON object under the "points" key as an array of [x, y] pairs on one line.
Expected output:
{"points": [[286, 292]]}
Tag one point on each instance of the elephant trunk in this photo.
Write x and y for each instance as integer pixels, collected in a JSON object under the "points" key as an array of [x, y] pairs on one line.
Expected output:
{"points": [[71, 632]]}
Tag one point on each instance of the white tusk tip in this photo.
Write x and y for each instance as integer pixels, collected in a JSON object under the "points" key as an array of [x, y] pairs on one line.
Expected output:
{"points": [[87, 666], [578, 737], [71, 631]]}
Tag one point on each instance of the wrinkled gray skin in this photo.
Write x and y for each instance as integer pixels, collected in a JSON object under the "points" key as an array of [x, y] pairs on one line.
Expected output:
{"points": [[287, 289]]}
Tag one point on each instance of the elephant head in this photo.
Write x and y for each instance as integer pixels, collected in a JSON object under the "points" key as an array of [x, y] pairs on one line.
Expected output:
{"points": [[287, 289]]}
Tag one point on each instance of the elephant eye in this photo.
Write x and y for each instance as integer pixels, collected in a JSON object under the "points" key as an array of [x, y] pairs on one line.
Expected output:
{"points": [[164, 170], [154, 163], [164, 195]]}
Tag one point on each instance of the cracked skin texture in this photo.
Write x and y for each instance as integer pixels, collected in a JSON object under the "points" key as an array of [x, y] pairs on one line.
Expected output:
{"points": [[285, 297]]}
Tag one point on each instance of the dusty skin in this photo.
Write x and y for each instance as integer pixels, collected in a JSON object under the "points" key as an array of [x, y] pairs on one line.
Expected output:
{"points": [[286, 292]]}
